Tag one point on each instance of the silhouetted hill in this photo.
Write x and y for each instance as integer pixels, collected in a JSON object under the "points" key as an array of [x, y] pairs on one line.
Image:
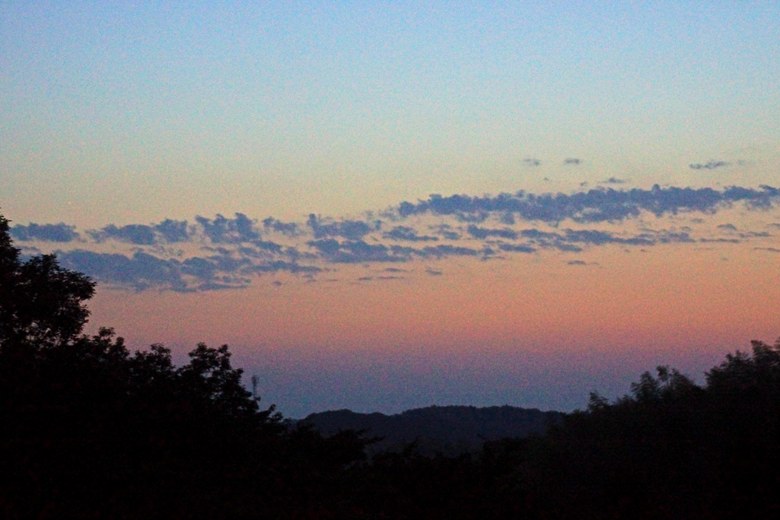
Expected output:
{"points": [[444, 429]]}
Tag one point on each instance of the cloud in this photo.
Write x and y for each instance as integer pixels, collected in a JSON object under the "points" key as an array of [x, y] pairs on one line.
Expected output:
{"points": [[443, 250], [483, 233], [582, 263], [574, 240], [516, 248], [446, 231], [731, 229], [768, 249], [173, 231], [358, 251], [286, 228], [45, 233], [351, 229], [709, 165], [572, 161], [433, 272], [134, 234], [229, 253], [379, 278], [595, 205], [222, 230], [530, 161], [409, 234], [614, 180], [139, 272], [167, 231], [142, 271]]}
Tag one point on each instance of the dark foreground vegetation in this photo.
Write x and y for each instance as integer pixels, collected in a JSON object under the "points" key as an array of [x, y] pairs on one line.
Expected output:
{"points": [[89, 429], [437, 430]]}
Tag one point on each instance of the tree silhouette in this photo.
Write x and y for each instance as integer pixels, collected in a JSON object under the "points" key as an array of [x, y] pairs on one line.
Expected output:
{"points": [[90, 429], [41, 303]]}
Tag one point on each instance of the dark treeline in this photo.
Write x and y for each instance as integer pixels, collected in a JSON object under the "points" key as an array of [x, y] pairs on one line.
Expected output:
{"points": [[447, 430], [89, 429]]}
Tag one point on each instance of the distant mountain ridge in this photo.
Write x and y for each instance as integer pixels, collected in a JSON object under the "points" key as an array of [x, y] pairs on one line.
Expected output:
{"points": [[438, 429]]}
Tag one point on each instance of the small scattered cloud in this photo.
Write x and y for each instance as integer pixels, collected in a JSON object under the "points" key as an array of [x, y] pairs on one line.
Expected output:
{"points": [[709, 165], [433, 272], [572, 161], [614, 180], [530, 161], [768, 249]]}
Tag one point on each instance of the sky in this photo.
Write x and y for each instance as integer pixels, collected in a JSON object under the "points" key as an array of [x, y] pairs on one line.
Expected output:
{"points": [[386, 205]]}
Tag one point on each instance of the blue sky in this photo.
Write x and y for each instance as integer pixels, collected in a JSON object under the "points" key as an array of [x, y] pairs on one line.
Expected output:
{"points": [[168, 110]]}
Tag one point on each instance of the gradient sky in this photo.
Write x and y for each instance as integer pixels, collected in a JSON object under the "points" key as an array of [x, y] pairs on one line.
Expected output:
{"points": [[382, 205]]}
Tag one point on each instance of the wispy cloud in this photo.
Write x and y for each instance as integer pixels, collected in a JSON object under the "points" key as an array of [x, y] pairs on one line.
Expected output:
{"points": [[572, 161]]}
